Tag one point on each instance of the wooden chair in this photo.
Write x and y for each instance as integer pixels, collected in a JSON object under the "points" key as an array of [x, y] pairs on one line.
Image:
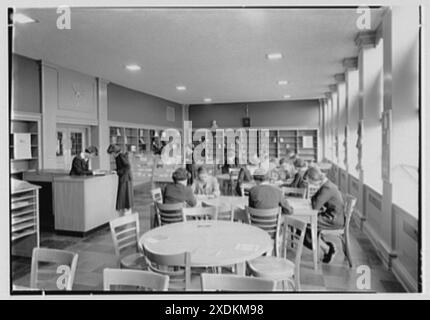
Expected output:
{"points": [[134, 278], [176, 266], [268, 220], [225, 215], [295, 192], [125, 235], [169, 213], [343, 233], [199, 213], [224, 282], [157, 196], [311, 190], [287, 267], [57, 257]]}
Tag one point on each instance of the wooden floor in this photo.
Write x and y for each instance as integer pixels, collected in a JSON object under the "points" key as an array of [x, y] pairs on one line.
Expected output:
{"points": [[96, 253]]}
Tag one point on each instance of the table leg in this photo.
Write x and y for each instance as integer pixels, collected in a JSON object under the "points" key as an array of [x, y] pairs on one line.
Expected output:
{"points": [[314, 224], [240, 269]]}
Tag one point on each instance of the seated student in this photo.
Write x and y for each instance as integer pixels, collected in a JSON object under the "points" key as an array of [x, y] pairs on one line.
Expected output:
{"points": [[299, 178], [286, 169], [329, 201], [205, 183], [266, 196], [178, 191], [80, 163]]}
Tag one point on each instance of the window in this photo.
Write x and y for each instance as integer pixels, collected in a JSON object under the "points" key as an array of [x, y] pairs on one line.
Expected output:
{"points": [[76, 143]]}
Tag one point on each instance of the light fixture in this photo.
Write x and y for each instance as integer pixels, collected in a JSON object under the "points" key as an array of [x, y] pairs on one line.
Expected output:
{"points": [[274, 56], [181, 88], [287, 96], [22, 18], [207, 100], [282, 82], [133, 67]]}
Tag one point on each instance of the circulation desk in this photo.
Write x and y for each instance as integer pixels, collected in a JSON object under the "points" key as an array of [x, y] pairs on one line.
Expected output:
{"points": [[83, 203]]}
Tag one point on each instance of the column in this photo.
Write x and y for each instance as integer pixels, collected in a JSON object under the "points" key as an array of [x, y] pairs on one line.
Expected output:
{"points": [[101, 132]]}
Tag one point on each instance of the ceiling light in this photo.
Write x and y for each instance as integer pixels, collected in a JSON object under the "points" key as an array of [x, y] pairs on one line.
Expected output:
{"points": [[207, 100], [287, 96], [274, 56], [22, 18], [132, 67], [282, 82], [181, 88]]}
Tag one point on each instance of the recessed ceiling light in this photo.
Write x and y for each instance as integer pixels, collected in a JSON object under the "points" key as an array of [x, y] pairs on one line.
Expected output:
{"points": [[22, 18], [274, 56], [181, 88], [133, 67], [287, 96], [207, 100], [282, 82]]}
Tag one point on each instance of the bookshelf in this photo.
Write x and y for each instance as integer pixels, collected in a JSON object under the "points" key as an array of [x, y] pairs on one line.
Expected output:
{"points": [[24, 211], [24, 145]]}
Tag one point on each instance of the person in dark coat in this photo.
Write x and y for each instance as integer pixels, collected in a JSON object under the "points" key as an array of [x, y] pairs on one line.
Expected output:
{"points": [[299, 180], [124, 199], [80, 163], [329, 201], [179, 192], [266, 196]]}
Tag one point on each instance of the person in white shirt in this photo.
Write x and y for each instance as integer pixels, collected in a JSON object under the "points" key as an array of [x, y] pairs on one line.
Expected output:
{"points": [[205, 184]]}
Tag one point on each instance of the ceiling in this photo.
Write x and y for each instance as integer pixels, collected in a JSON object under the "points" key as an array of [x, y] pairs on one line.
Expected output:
{"points": [[216, 53]]}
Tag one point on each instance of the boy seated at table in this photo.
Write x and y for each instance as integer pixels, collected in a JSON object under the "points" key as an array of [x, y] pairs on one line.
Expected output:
{"points": [[299, 180], [179, 192], [328, 200], [266, 196], [205, 183]]}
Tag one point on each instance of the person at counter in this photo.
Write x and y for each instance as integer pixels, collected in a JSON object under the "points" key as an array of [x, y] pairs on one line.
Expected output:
{"points": [[124, 199], [80, 163]]}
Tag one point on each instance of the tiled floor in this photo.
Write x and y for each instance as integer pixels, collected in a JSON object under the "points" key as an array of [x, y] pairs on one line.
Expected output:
{"points": [[96, 253]]}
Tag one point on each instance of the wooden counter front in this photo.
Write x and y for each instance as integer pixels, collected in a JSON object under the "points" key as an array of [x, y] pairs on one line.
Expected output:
{"points": [[82, 203]]}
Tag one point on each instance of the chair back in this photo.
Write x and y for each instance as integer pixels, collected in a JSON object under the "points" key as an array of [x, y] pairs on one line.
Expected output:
{"points": [[62, 259], [199, 213], [311, 190], [169, 213], [177, 266], [221, 213], [157, 196], [125, 234], [268, 220], [229, 282], [294, 192], [294, 235], [348, 209], [134, 278]]}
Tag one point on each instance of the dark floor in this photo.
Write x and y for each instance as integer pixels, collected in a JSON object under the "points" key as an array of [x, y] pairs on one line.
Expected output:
{"points": [[96, 253]]}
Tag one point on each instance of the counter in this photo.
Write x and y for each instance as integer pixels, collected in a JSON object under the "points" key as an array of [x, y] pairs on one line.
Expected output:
{"points": [[82, 203]]}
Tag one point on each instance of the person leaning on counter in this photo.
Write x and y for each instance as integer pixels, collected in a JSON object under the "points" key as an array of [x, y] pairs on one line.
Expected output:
{"points": [[124, 199], [80, 163]]}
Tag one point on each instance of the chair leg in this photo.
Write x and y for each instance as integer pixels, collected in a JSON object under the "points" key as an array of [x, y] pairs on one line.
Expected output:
{"points": [[347, 249]]}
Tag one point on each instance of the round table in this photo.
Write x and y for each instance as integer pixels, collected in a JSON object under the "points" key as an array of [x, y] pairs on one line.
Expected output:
{"points": [[210, 243]]}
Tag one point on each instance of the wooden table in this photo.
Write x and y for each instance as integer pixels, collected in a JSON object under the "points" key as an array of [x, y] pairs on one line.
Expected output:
{"points": [[211, 243], [224, 202]]}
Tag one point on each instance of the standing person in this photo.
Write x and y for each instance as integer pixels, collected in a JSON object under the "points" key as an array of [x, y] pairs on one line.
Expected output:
{"points": [[80, 163], [179, 192], [124, 199], [328, 200]]}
